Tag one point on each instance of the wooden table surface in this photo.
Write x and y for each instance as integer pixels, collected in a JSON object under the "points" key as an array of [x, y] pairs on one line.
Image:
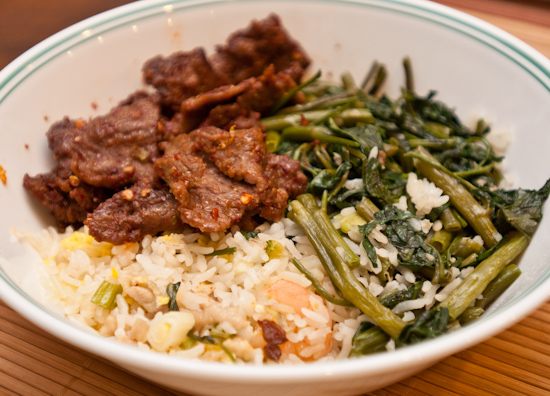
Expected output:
{"points": [[32, 362]]}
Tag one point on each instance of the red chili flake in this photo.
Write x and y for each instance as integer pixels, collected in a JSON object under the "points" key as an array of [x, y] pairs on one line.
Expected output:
{"points": [[46, 118], [274, 335], [94, 105], [315, 142], [303, 121], [215, 214], [176, 157], [26, 146]]}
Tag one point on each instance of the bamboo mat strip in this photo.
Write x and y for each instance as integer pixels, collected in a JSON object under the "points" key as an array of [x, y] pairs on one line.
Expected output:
{"points": [[516, 362], [535, 344], [513, 359], [491, 379], [11, 386], [422, 383], [507, 369], [517, 348], [526, 330], [537, 12], [439, 378]]}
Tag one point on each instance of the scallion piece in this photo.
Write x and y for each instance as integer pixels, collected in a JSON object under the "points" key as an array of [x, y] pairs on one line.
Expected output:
{"points": [[105, 295], [172, 291], [221, 252]]}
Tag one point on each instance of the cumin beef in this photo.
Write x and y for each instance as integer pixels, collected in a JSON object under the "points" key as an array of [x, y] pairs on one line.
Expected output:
{"points": [[131, 214], [255, 67], [195, 109], [287, 181], [221, 178], [115, 150], [208, 200], [96, 158], [245, 102], [237, 153], [68, 199], [240, 154], [181, 76], [248, 52]]}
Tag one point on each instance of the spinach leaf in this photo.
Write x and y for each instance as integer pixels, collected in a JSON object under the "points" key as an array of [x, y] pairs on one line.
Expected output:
{"points": [[287, 147], [430, 110], [412, 249], [415, 126], [411, 245], [389, 213], [395, 182], [471, 157], [526, 212], [411, 293], [430, 324], [520, 209], [367, 135], [340, 199], [374, 183], [327, 179], [385, 109]]}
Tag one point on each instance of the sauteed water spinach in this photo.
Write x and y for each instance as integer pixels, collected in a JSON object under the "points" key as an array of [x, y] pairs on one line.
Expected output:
{"points": [[364, 150]]}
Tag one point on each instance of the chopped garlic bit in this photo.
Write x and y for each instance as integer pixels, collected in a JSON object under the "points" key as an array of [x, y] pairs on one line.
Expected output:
{"points": [[169, 330], [246, 198], [128, 195]]}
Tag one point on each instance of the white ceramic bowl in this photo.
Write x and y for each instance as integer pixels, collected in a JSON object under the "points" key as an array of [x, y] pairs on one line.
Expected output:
{"points": [[87, 68]]}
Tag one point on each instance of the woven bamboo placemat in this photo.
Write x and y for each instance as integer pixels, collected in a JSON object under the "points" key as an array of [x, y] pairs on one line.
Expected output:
{"points": [[33, 362]]}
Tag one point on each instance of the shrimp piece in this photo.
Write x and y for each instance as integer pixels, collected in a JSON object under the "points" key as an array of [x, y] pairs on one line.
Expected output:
{"points": [[309, 306]]}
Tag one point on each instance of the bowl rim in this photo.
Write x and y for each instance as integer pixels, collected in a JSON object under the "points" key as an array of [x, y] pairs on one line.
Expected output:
{"points": [[430, 351]]}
